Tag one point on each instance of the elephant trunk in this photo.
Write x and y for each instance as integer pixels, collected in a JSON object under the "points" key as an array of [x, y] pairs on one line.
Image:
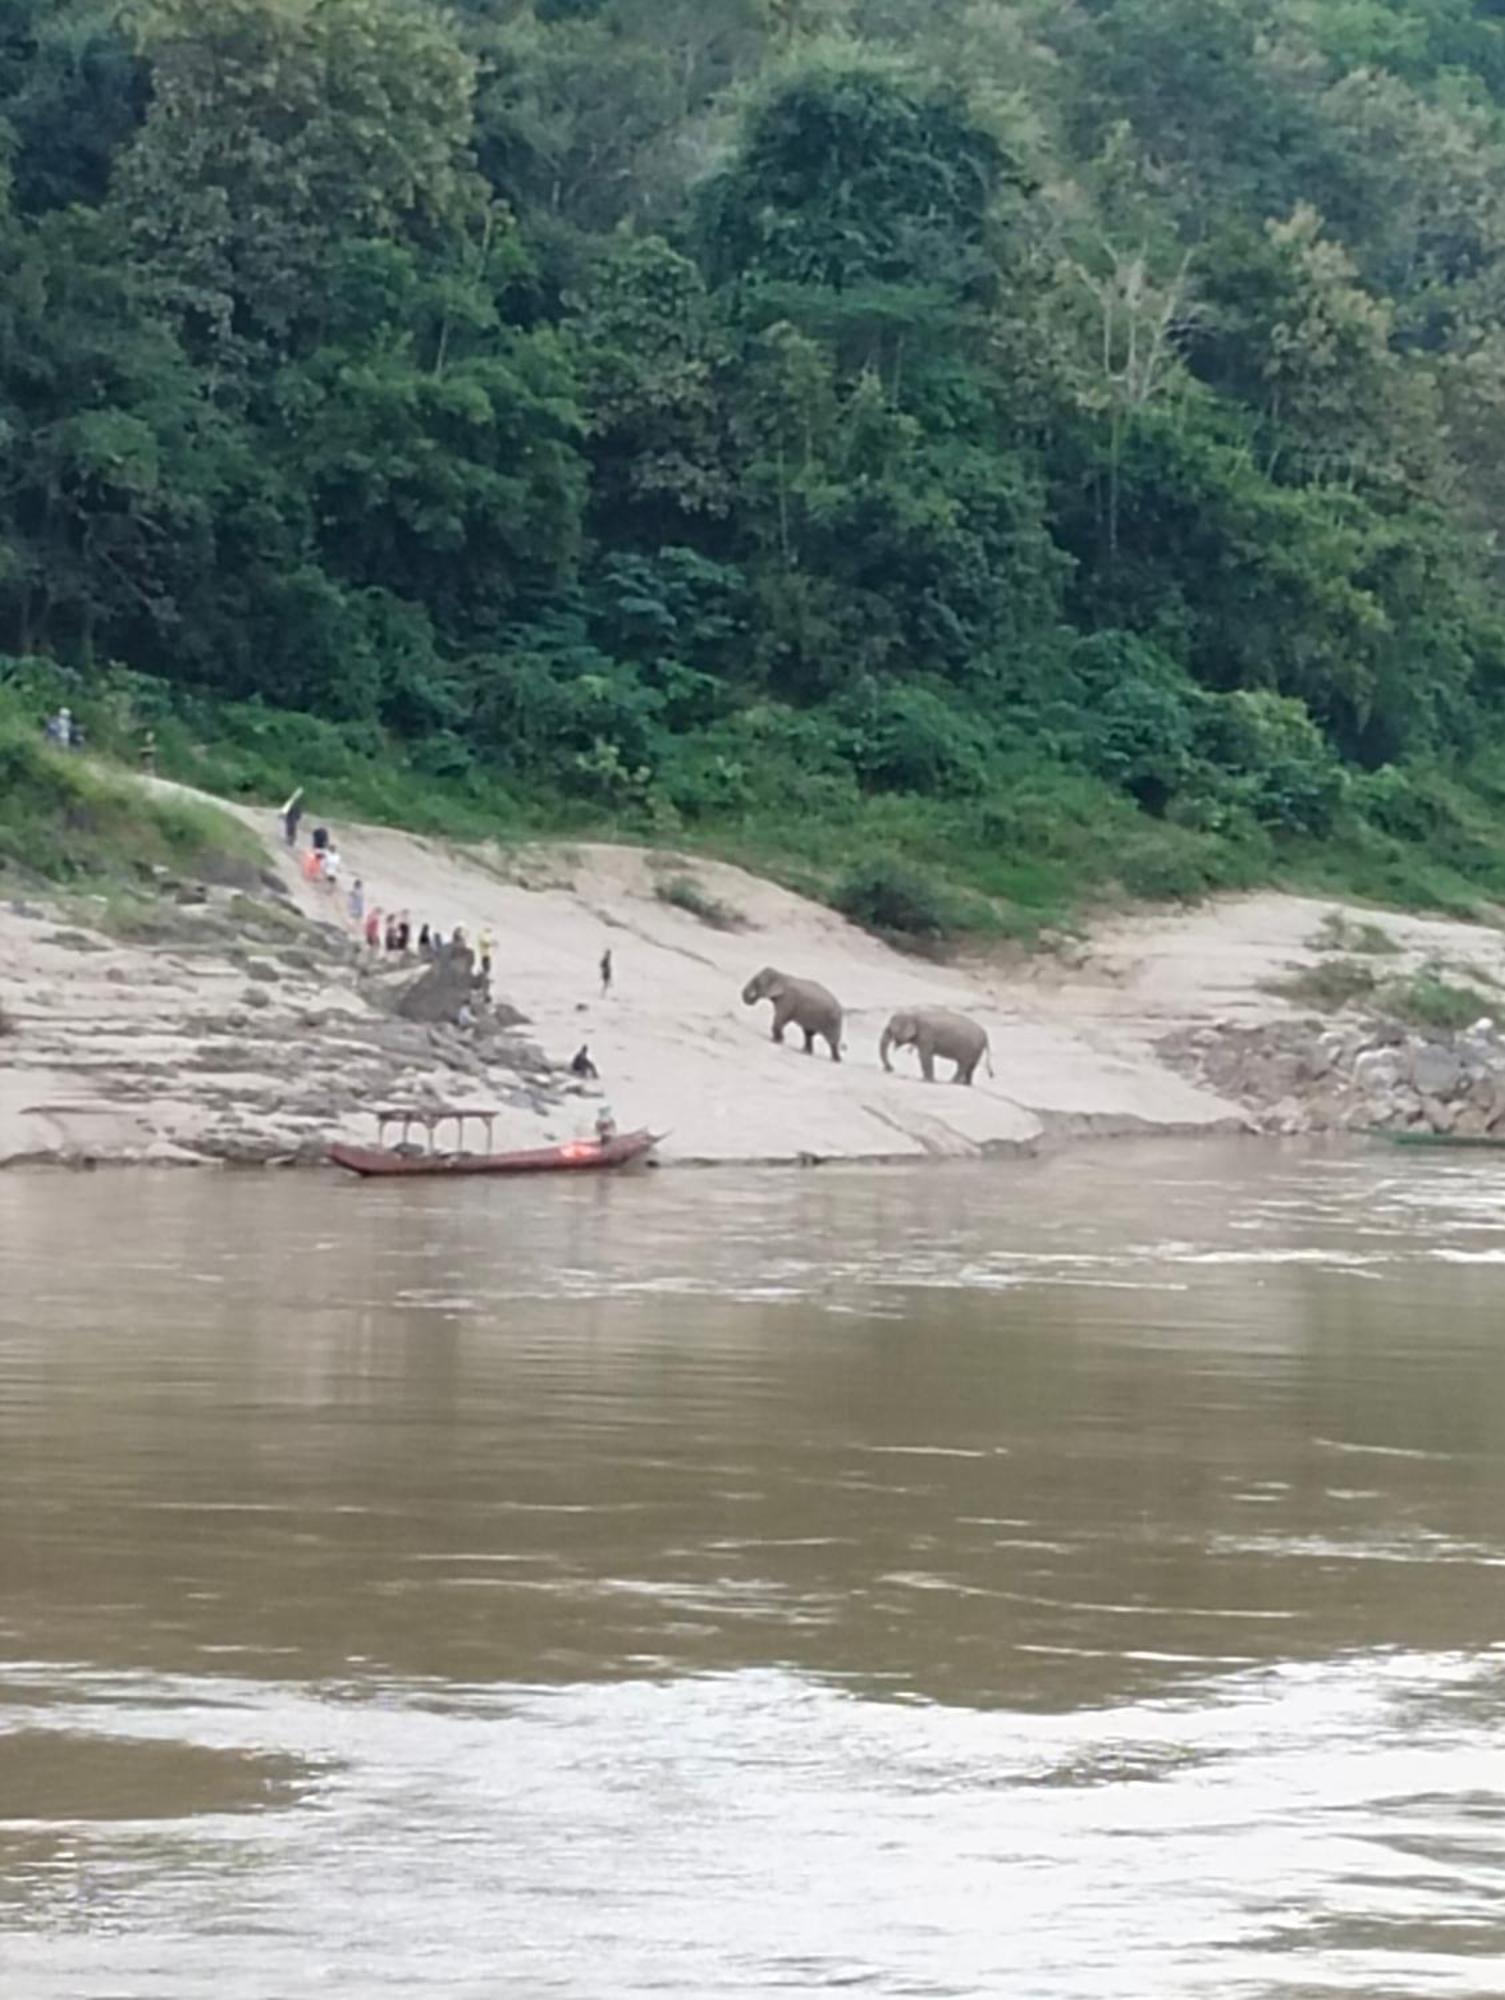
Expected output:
{"points": [[884, 1045]]}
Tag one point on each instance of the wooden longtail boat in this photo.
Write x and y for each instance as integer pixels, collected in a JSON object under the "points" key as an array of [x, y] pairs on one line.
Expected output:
{"points": [[572, 1156]]}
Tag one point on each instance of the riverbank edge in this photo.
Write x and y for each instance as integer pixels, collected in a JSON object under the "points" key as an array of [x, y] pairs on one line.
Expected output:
{"points": [[1057, 1137]]}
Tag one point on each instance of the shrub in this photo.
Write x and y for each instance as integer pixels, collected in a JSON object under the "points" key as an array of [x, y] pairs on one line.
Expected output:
{"points": [[895, 898], [1142, 712], [1165, 872], [1337, 982], [683, 892], [1283, 767], [1427, 1000], [909, 739], [1337, 932]]}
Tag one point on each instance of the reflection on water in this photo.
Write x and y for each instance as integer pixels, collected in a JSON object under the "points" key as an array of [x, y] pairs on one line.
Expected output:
{"points": [[1071, 1579]]}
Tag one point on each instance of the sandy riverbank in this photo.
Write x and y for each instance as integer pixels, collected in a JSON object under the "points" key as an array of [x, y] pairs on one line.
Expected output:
{"points": [[246, 1026]]}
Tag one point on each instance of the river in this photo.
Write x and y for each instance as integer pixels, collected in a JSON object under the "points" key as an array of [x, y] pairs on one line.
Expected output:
{"points": [[1078, 1580]]}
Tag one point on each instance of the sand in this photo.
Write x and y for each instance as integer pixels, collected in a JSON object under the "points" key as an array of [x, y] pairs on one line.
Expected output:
{"points": [[204, 1045]]}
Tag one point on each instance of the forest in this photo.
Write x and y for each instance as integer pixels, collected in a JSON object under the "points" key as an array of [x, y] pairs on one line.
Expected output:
{"points": [[986, 453]]}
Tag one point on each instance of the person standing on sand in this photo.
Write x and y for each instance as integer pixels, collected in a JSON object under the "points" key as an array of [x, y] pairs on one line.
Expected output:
{"points": [[373, 930], [355, 902], [292, 816], [486, 943], [606, 972]]}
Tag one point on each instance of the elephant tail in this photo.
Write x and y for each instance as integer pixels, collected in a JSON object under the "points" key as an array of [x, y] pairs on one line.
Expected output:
{"points": [[987, 1049]]}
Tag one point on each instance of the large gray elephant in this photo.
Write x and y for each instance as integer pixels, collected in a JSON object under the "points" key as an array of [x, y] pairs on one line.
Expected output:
{"points": [[932, 1032], [811, 1008]]}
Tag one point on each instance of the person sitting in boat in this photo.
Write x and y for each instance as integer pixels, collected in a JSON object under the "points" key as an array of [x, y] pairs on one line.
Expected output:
{"points": [[581, 1064], [606, 1125]]}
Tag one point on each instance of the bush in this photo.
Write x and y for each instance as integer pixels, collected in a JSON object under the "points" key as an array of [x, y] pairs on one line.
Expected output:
{"points": [[1427, 1000], [1141, 711], [1165, 872], [907, 739], [1282, 766], [1337, 932], [895, 899], [683, 892], [1337, 982]]}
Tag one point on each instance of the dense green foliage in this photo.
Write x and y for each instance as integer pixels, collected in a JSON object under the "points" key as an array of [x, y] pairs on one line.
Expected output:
{"points": [[63, 820], [1048, 442]]}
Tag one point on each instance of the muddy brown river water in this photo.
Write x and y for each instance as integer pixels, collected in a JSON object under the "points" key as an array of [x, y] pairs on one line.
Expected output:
{"points": [[1081, 1580]]}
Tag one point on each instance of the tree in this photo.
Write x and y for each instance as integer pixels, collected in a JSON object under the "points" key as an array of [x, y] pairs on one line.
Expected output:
{"points": [[277, 129]]}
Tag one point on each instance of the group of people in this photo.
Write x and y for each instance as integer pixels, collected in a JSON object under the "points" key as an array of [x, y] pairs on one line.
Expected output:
{"points": [[64, 730], [389, 931]]}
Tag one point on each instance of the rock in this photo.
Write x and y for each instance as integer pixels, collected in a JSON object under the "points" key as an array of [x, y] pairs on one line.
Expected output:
{"points": [[264, 970], [1435, 1069], [1486, 1093], [255, 996], [1376, 1072], [1440, 1117], [1324, 1113], [1287, 1118], [1471, 1123], [439, 993]]}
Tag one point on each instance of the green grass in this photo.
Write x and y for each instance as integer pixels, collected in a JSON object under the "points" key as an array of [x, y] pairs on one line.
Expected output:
{"points": [[64, 819], [1042, 848]]}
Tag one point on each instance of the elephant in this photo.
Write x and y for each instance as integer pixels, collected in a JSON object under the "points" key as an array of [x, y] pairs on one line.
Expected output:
{"points": [[932, 1031], [812, 1009]]}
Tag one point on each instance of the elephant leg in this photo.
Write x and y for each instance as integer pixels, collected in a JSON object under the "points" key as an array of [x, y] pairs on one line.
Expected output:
{"points": [[809, 1035], [780, 1022], [964, 1072], [833, 1042], [927, 1062]]}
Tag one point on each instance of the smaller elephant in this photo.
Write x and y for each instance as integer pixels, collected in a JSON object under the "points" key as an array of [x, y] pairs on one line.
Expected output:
{"points": [[811, 1008], [932, 1032]]}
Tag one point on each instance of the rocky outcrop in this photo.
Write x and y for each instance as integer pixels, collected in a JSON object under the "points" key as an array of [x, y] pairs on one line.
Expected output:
{"points": [[172, 1043], [446, 988], [1313, 1076]]}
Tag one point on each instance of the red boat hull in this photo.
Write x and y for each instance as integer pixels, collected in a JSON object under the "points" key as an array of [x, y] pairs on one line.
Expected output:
{"points": [[575, 1156]]}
